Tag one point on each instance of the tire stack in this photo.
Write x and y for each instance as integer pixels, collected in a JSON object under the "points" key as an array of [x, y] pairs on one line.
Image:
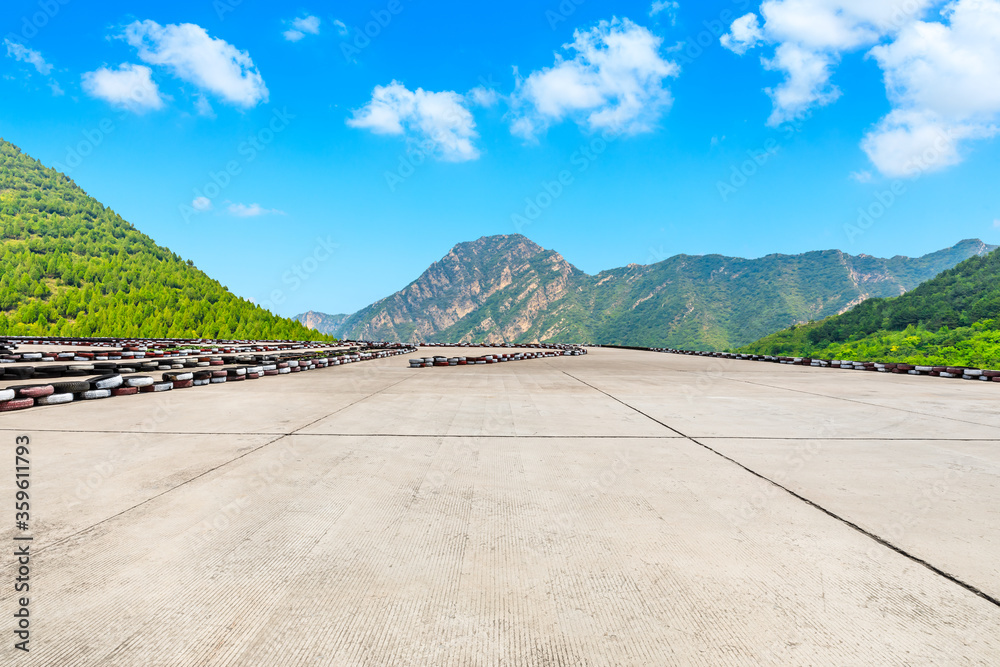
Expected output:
{"points": [[965, 373], [183, 368], [560, 351]]}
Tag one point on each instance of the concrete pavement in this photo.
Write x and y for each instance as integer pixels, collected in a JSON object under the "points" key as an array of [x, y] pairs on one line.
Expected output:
{"points": [[619, 508]]}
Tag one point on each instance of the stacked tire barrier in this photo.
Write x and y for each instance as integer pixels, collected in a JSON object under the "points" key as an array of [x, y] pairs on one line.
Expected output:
{"points": [[561, 351], [527, 346], [963, 372], [118, 372]]}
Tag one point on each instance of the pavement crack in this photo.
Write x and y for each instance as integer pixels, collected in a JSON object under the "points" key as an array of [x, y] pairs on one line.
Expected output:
{"points": [[847, 522], [210, 470]]}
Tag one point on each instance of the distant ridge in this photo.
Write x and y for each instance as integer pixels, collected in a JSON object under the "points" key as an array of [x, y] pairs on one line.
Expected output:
{"points": [[509, 289], [952, 320]]}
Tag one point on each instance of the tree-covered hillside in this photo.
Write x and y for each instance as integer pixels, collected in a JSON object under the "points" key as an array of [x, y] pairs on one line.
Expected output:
{"points": [[952, 319], [73, 267]]}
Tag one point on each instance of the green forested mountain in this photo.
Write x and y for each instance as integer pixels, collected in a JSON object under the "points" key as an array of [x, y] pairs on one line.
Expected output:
{"points": [[953, 319], [507, 288], [73, 267]]}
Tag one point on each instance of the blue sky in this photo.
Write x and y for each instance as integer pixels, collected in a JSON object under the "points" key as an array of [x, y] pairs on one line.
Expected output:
{"points": [[253, 138]]}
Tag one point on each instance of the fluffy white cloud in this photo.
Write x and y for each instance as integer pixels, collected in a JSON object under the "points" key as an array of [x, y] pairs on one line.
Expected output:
{"points": [[615, 80], [944, 83], [942, 75], [301, 26], [441, 120], [19, 51], [806, 84], [483, 96], [204, 107], [201, 204], [251, 211], [210, 63], [341, 27], [809, 38], [744, 34], [130, 87], [668, 6]]}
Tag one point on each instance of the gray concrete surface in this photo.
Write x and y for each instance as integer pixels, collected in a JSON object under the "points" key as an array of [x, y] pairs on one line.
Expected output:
{"points": [[611, 509]]}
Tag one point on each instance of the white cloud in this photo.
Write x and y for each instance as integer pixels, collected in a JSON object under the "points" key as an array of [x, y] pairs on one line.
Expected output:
{"points": [[201, 204], [863, 176], [57, 90], [253, 210], [210, 63], [204, 107], [22, 53], [744, 34], [809, 38], [806, 84], [130, 87], [668, 6], [615, 80], [942, 76], [301, 26], [439, 119], [309, 24], [944, 83], [341, 27], [483, 96]]}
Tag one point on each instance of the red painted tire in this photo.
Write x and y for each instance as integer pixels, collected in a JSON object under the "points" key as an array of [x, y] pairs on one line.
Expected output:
{"points": [[34, 391], [124, 391], [16, 404]]}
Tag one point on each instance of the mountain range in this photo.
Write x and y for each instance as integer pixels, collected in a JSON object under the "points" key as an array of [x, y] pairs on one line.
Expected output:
{"points": [[509, 289], [952, 319]]}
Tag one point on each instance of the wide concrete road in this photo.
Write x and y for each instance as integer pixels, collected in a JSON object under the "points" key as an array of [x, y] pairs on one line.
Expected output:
{"points": [[622, 508]]}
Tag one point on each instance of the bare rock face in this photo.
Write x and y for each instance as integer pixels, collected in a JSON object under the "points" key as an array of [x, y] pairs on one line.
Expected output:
{"points": [[492, 289], [509, 289], [328, 324]]}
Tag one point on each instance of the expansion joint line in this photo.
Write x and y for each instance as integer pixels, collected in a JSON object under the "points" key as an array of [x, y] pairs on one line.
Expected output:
{"points": [[880, 540], [279, 437]]}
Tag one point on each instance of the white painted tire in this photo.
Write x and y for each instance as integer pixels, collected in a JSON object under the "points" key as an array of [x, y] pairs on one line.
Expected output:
{"points": [[56, 399], [94, 394]]}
